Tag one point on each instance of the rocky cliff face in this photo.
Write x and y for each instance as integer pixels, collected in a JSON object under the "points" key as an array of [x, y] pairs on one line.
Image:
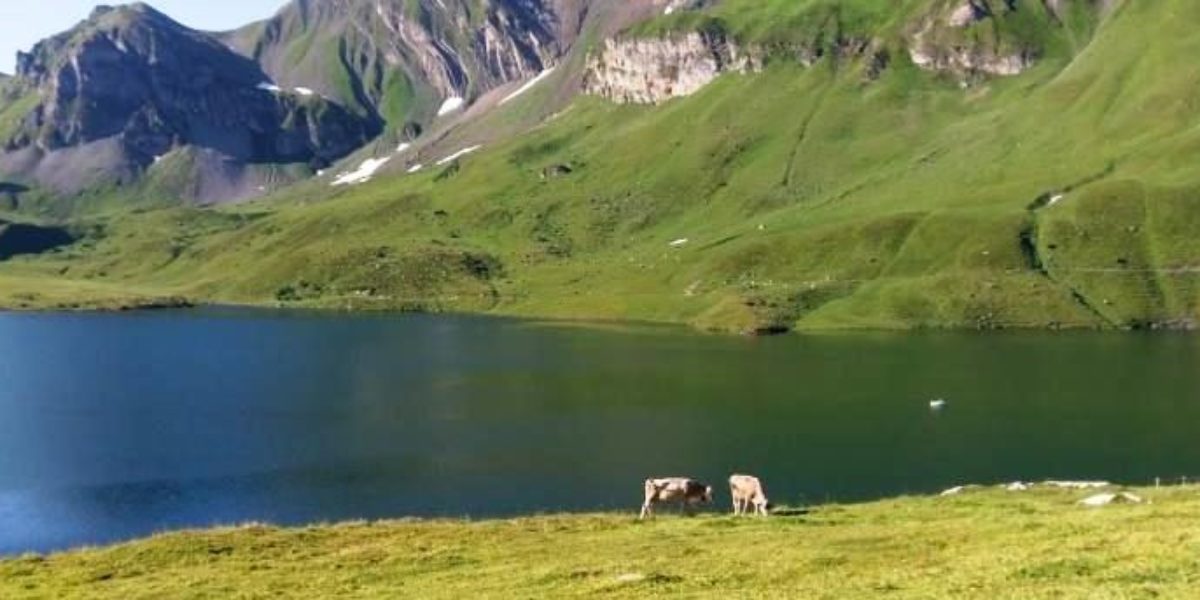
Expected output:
{"points": [[400, 61], [129, 85], [969, 38], [651, 71]]}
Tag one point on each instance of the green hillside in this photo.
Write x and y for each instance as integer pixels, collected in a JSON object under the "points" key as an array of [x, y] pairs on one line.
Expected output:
{"points": [[982, 544], [822, 196]]}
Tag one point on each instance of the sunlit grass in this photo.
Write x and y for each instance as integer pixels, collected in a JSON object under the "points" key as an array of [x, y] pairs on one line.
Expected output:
{"points": [[982, 544]]}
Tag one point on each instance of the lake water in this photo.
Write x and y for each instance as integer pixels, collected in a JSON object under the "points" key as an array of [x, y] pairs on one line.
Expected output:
{"points": [[118, 426]]}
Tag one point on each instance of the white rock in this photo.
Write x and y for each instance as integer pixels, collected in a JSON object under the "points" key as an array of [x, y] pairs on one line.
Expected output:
{"points": [[1077, 485], [1106, 499]]}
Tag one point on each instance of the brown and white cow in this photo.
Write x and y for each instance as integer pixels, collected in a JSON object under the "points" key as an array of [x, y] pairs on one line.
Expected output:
{"points": [[747, 490], [686, 492]]}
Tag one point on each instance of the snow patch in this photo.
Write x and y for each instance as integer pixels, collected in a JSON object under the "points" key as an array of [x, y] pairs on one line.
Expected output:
{"points": [[458, 155], [363, 173], [528, 85], [451, 104]]}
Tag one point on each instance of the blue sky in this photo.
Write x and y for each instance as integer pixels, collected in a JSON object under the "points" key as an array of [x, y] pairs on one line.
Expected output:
{"points": [[24, 22]]}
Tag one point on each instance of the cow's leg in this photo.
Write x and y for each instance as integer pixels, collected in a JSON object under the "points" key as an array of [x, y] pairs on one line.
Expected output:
{"points": [[647, 509]]}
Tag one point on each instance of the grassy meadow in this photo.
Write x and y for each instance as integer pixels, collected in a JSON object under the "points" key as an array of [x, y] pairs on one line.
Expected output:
{"points": [[809, 198], [984, 543]]}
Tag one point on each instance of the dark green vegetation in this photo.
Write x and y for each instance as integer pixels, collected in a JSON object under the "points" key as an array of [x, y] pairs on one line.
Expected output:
{"points": [[857, 191], [988, 544]]}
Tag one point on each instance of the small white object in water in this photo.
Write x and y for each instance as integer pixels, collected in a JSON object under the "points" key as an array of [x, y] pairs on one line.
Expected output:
{"points": [[450, 105], [938, 404], [679, 243], [267, 86]]}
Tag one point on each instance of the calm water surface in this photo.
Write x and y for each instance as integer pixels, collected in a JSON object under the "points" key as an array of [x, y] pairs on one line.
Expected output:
{"points": [[117, 426]]}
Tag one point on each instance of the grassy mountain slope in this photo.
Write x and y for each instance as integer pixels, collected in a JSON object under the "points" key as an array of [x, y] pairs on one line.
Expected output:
{"points": [[810, 197], [982, 544]]}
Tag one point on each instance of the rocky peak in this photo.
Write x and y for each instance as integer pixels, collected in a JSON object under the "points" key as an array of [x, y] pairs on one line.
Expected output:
{"points": [[133, 84]]}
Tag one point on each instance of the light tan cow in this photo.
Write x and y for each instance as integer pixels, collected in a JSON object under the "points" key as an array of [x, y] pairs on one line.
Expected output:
{"points": [[686, 492], [747, 490]]}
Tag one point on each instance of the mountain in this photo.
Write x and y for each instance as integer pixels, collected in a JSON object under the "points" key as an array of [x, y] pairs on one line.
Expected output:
{"points": [[108, 101], [242, 113], [398, 62], [739, 165]]}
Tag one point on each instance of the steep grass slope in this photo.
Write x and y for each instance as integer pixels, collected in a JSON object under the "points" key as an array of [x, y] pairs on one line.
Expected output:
{"points": [[987, 544], [820, 196]]}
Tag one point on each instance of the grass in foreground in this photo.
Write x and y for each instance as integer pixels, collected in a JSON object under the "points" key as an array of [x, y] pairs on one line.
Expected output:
{"points": [[985, 544]]}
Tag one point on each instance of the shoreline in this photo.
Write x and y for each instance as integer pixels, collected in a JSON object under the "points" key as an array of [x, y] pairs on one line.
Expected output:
{"points": [[979, 543], [102, 305]]}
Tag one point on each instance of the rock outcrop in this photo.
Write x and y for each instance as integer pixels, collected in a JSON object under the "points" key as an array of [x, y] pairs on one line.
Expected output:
{"points": [[965, 40], [651, 71]]}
